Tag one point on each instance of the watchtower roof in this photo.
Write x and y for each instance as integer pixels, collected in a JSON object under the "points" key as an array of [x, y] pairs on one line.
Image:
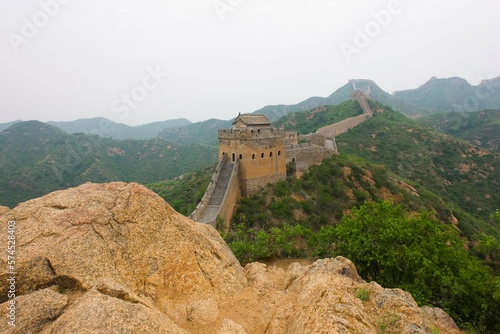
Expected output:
{"points": [[251, 120]]}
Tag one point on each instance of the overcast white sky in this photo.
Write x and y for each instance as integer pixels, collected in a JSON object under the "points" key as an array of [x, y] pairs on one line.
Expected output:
{"points": [[94, 58]]}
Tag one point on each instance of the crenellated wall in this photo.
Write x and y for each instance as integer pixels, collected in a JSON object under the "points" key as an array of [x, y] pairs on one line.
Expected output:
{"points": [[198, 211], [260, 153], [219, 200], [335, 130], [308, 153], [341, 127], [251, 157]]}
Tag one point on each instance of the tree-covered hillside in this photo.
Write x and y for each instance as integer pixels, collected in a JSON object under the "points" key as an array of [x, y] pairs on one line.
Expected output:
{"points": [[309, 122], [184, 193], [459, 172], [36, 158], [454, 94], [109, 129], [397, 233], [480, 128], [206, 132]]}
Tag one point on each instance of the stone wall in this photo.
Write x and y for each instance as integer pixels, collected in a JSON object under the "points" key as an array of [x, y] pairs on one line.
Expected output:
{"points": [[260, 153], [298, 169], [250, 187], [314, 138], [360, 97], [233, 194], [309, 153], [198, 211], [342, 127]]}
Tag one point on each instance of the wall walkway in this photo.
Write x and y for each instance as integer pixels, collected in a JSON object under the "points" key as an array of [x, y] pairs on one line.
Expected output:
{"points": [[342, 127], [221, 195]]}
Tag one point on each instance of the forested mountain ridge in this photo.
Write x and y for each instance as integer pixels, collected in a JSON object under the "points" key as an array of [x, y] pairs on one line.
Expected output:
{"points": [[36, 158], [481, 128]]}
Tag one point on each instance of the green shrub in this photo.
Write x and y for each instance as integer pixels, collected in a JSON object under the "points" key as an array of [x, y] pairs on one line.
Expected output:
{"points": [[363, 294]]}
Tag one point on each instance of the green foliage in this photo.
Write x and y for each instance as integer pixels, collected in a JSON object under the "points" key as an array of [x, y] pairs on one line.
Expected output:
{"points": [[453, 94], [185, 192], [362, 294], [479, 128], [389, 323], [435, 330], [120, 131], [463, 175], [201, 133], [251, 245], [305, 122], [36, 158], [321, 196], [420, 255]]}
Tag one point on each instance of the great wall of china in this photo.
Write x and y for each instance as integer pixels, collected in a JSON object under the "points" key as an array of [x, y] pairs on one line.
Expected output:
{"points": [[264, 158]]}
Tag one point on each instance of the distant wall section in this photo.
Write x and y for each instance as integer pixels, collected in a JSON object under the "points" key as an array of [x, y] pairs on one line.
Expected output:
{"points": [[342, 127], [308, 153]]}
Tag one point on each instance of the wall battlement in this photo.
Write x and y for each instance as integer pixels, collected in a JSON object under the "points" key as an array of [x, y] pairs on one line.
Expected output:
{"points": [[251, 133], [253, 154]]}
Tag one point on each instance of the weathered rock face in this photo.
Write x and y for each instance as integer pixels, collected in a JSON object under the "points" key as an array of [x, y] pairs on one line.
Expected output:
{"points": [[120, 233], [324, 298], [115, 258]]}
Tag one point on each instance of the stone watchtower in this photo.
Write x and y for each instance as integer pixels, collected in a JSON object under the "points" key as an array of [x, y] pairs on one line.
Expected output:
{"points": [[258, 148]]}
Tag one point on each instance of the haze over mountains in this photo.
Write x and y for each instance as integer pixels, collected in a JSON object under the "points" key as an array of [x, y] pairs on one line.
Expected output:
{"points": [[434, 96], [38, 158]]}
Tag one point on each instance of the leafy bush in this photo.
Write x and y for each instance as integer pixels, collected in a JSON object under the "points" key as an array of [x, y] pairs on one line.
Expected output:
{"points": [[420, 255]]}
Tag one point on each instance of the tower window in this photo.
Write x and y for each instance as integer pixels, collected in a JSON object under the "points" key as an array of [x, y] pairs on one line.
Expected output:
{"points": [[253, 156], [262, 155], [279, 153], [270, 154], [234, 157], [241, 156]]}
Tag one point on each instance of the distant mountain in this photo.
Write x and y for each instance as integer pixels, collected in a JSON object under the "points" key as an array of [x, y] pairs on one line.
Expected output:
{"points": [[196, 133], [378, 94], [454, 94], [4, 126], [481, 128], [37, 158], [344, 94], [109, 129]]}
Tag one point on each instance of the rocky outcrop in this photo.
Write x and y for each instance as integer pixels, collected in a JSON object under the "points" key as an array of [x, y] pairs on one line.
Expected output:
{"points": [[123, 235], [325, 297], [115, 258]]}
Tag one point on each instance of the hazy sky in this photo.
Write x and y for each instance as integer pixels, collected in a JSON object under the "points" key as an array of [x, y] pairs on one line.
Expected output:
{"points": [[138, 61]]}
